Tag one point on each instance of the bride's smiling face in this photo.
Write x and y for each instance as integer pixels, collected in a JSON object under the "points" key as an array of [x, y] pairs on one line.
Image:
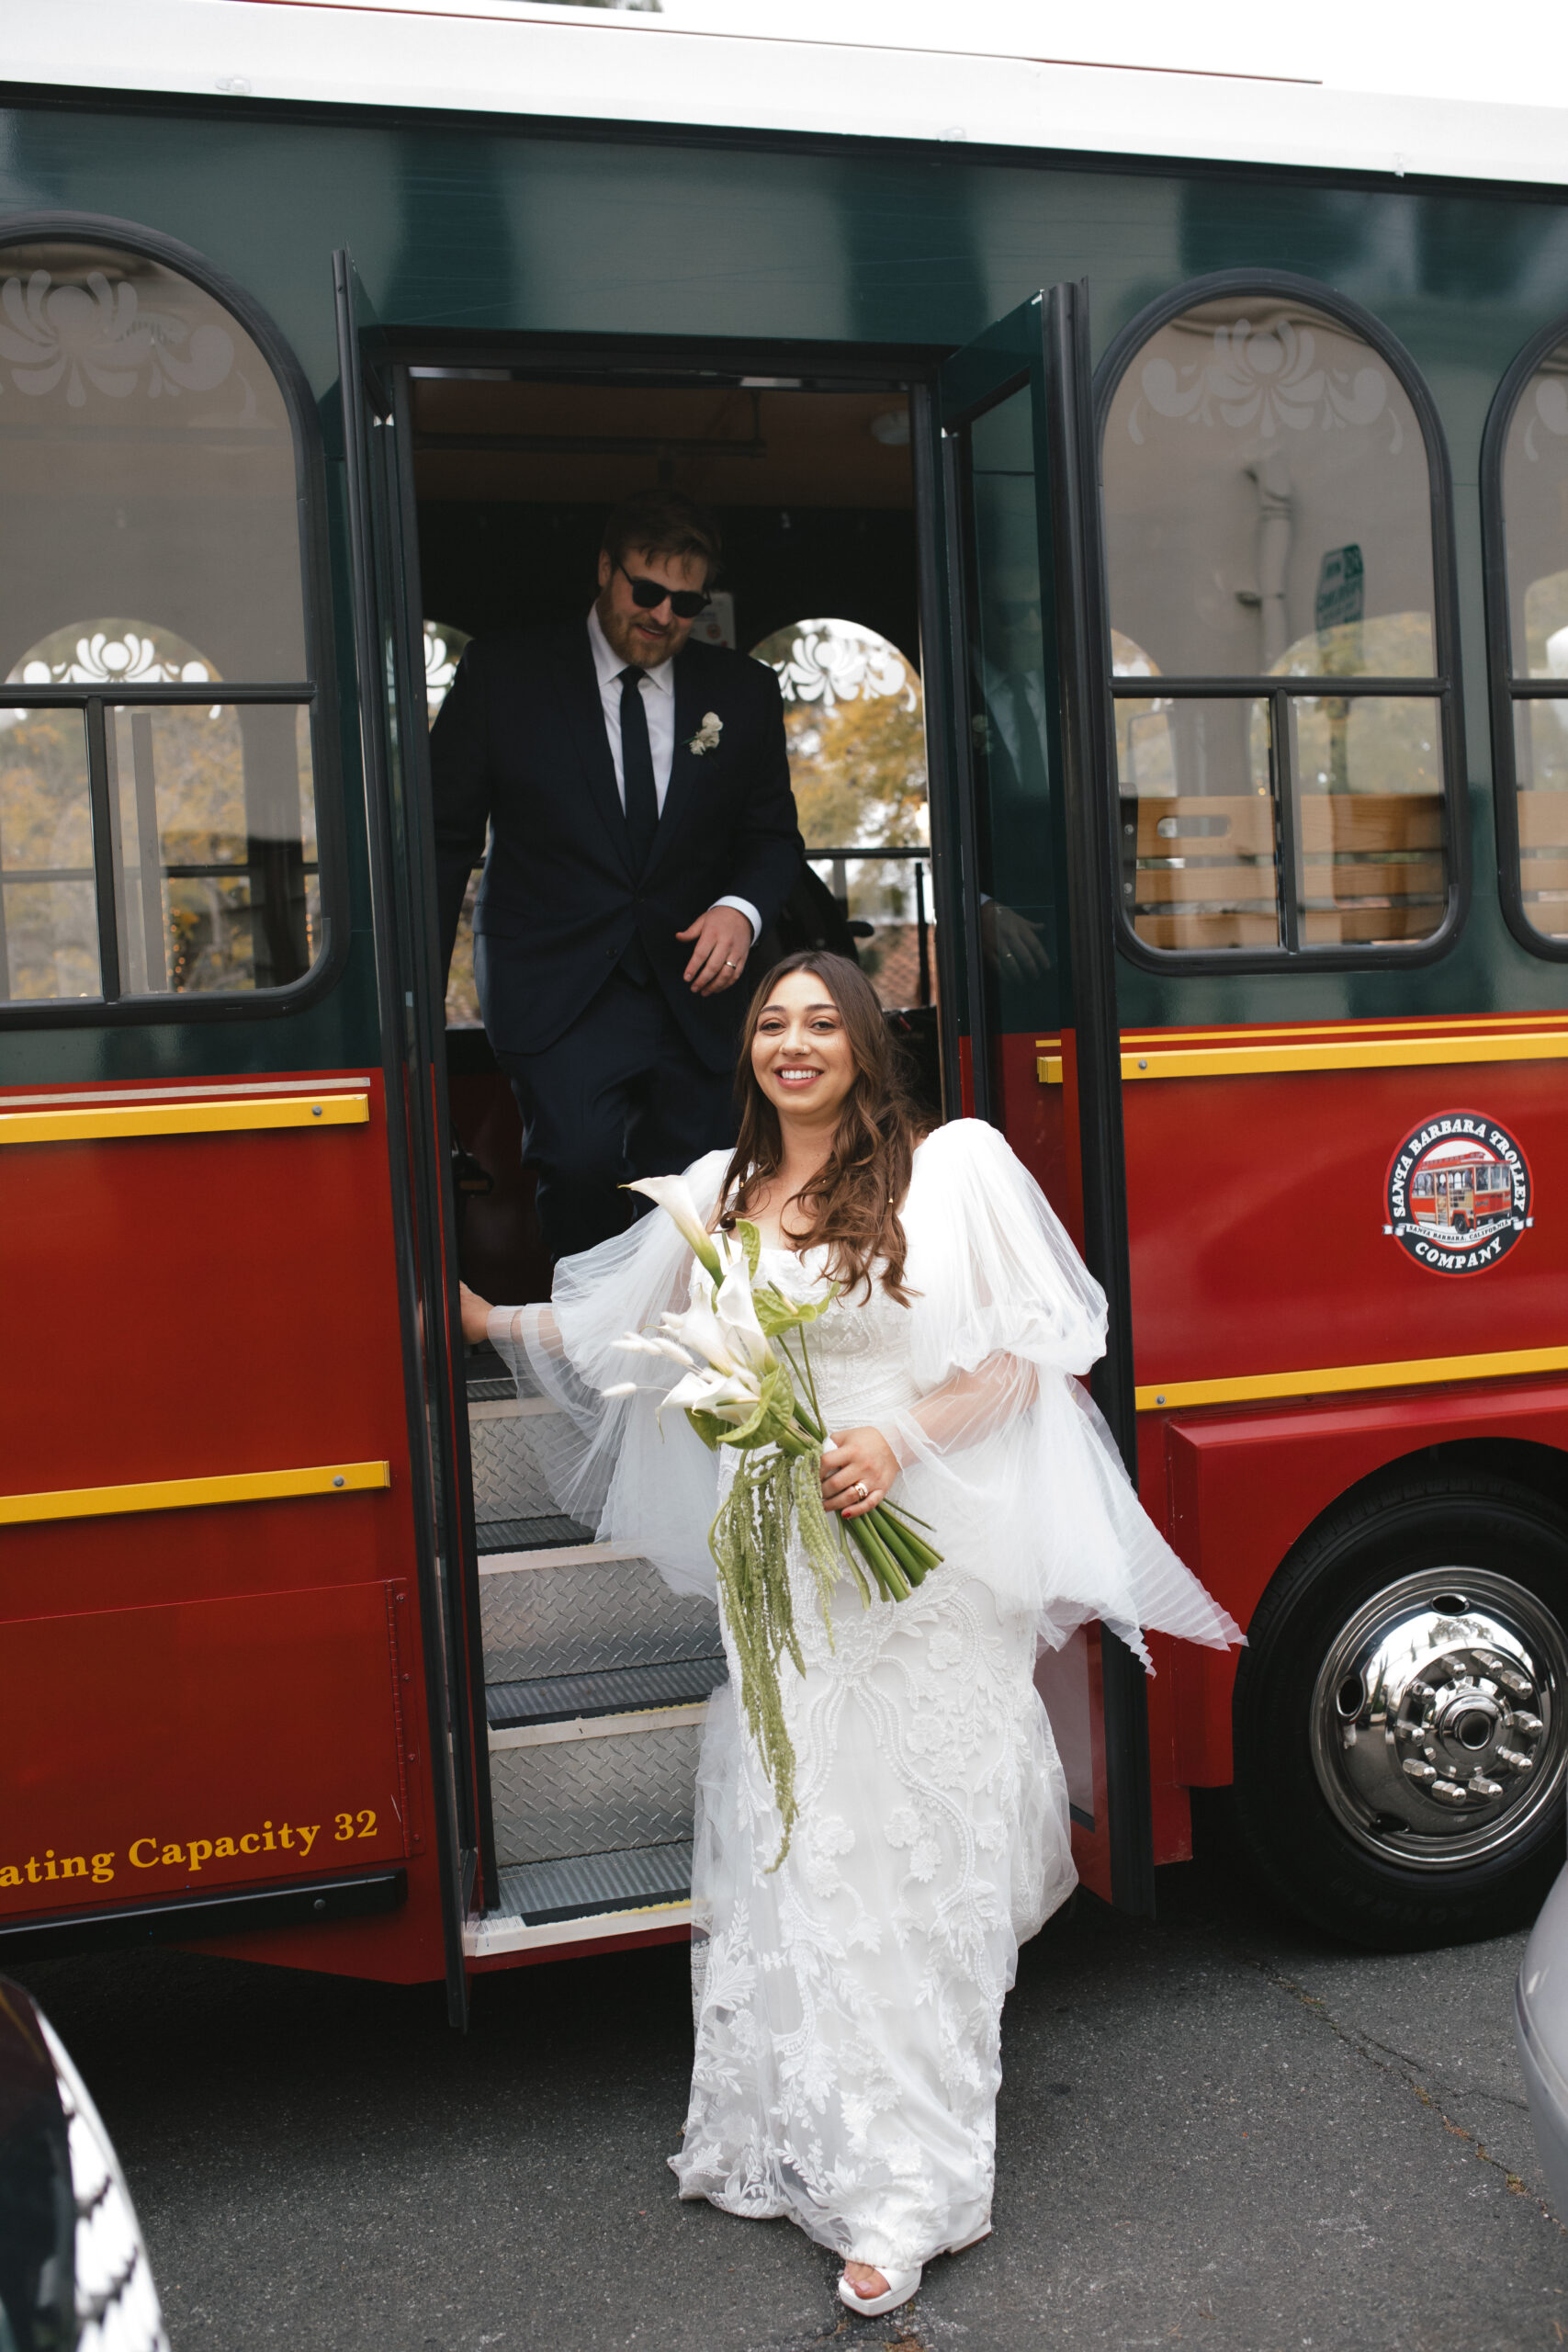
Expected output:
{"points": [[800, 1050]]}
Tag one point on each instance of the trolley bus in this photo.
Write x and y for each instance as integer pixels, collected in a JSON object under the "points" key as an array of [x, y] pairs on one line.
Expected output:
{"points": [[1153, 491]]}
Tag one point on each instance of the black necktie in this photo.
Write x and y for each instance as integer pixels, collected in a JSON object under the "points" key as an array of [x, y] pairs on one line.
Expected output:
{"points": [[637, 770]]}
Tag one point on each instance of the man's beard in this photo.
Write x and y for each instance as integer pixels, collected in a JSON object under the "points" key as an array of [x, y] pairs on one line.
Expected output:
{"points": [[627, 640]]}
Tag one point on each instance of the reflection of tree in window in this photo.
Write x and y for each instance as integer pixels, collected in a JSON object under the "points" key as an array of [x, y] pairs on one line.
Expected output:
{"points": [[213, 820], [854, 724], [49, 928]]}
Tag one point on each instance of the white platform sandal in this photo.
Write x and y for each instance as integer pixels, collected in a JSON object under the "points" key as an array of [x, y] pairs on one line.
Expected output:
{"points": [[901, 2285]]}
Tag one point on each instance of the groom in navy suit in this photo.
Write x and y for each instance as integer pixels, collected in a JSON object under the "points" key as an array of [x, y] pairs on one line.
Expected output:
{"points": [[642, 831]]}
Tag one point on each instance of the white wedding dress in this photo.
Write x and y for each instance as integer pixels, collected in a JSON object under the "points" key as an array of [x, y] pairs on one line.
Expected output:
{"points": [[849, 2004]]}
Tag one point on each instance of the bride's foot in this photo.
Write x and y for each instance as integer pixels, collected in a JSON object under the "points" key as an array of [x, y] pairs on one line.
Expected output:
{"points": [[871, 2292]]}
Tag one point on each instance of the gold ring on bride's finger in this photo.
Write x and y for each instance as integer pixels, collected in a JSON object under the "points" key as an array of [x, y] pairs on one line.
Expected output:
{"points": [[859, 1490]]}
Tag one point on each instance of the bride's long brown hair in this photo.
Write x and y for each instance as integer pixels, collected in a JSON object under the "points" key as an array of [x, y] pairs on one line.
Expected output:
{"points": [[851, 1205]]}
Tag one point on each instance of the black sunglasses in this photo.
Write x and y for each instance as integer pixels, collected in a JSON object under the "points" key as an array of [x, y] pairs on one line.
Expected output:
{"points": [[684, 603]]}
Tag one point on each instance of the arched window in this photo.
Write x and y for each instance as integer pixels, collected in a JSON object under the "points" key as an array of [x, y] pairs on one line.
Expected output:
{"points": [[1276, 525], [1525, 516], [158, 750], [855, 723]]}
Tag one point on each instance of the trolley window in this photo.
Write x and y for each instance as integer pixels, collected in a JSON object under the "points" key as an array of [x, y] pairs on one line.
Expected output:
{"points": [[1525, 491], [1277, 521], [159, 760]]}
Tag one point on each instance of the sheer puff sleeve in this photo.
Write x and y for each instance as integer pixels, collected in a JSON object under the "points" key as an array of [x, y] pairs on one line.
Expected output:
{"points": [[1002, 1451], [607, 1460]]}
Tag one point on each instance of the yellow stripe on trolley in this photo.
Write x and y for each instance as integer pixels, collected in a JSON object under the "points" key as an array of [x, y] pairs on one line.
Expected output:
{"points": [[185, 1494], [211, 1116], [1418, 1371], [1360, 1053]]}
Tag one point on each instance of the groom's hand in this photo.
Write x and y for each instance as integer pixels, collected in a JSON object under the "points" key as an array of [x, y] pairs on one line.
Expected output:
{"points": [[723, 939]]}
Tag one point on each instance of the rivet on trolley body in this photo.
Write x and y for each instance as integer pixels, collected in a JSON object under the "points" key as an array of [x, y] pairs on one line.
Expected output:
{"points": [[338, 1480]]}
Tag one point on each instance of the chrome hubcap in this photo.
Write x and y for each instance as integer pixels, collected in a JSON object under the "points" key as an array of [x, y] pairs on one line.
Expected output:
{"points": [[1439, 1720]]}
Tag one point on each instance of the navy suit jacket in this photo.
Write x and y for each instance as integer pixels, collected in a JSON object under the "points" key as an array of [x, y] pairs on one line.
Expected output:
{"points": [[520, 745]]}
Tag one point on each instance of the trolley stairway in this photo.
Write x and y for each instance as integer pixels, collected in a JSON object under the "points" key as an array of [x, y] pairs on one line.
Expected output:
{"points": [[597, 1678]]}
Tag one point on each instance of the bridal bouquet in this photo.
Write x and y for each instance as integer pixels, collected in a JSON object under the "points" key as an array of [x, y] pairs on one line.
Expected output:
{"points": [[743, 1387]]}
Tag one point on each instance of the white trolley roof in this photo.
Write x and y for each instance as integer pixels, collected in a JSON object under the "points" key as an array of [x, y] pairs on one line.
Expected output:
{"points": [[1218, 81]]}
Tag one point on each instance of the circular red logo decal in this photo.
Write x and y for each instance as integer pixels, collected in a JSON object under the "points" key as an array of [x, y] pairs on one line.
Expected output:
{"points": [[1458, 1193]]}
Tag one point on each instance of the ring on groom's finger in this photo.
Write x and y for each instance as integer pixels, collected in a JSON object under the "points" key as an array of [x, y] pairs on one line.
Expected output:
{"points": [[859, 1490]]}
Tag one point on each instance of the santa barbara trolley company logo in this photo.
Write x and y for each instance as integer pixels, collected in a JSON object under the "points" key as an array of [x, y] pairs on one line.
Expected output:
{"points": [[1458, 1193]]}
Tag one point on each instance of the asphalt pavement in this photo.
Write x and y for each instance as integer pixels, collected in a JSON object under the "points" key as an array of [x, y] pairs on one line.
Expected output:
{"points": [[1216, 2129]]}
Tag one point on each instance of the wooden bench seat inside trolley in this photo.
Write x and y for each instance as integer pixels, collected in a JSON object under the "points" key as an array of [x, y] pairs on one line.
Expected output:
{"points": [[1543, 857], [1200, 870]]}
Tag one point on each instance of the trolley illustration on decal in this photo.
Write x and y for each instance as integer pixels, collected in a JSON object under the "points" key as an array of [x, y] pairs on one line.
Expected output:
{"points": [[1459, 1194]]}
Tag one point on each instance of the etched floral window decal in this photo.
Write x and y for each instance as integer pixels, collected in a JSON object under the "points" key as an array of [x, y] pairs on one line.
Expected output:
{"points": [[95, 334], [1268, 376], [444, 648]]}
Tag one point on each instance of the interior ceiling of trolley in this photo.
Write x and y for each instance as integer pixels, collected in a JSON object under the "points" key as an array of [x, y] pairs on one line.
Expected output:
{"points": [[813, 490], [729, 445]]}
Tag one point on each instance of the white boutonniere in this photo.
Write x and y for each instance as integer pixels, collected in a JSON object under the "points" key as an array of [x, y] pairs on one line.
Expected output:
{"points": [[707, 735]]}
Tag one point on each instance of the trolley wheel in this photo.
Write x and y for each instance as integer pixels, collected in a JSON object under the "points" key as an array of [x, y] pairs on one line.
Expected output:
{"points": [[1401, 1715]]}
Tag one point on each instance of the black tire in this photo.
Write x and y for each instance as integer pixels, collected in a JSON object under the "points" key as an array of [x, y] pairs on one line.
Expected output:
{"points": [[1338, 1876]]}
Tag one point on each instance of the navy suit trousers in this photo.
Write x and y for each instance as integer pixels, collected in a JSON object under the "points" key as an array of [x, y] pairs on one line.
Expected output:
{"points": [[619, 1094]]}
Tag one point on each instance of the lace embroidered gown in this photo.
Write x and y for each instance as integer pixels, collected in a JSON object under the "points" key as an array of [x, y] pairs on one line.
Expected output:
{"points": [[848, 2006]]}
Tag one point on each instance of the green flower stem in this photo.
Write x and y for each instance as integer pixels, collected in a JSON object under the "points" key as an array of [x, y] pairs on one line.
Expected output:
{"points": [[916, 1546], [890, 1533], [873, 1548], [863, 1541]]}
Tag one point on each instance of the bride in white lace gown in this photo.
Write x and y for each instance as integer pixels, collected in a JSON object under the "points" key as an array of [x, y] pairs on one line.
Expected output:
{"points": [[848, 2004]]}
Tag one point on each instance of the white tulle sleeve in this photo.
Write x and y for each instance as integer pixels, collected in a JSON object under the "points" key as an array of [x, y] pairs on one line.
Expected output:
{"points": [[607, 1460], [1003, 1452]]}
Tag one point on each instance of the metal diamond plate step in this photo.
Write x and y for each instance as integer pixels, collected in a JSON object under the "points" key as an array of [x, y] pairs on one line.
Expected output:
{"points": [[591, 1609], [598, 1795], [495, 1535], [562, 1698], [583, 1884], [503, 1446]]}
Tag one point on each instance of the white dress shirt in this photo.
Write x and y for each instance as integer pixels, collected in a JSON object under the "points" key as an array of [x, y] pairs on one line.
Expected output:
{"points": [[657, 688]]}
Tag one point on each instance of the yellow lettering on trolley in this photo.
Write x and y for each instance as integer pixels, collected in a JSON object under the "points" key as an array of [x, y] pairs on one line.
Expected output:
{"points": [[191, 1856]]}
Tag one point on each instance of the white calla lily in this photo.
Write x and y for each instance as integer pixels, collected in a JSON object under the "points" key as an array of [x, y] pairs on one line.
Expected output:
{"points": [[733, 1398], [701, 1333], [736, 1312], [672, 1194]]}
